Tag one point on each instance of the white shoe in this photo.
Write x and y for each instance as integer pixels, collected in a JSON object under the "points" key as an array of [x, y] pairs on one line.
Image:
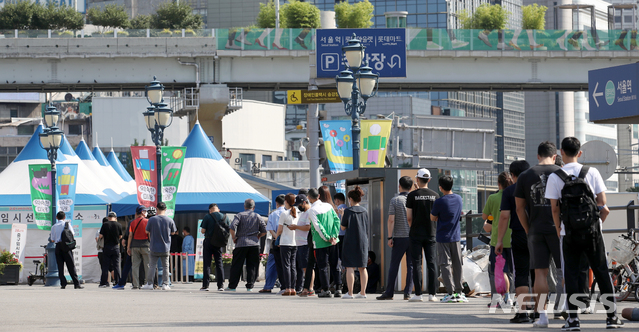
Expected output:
{"points": [[220, 289], [147, 287], [347, 297], [281, 292], [458, 43], [360, 296], [166, 287], [537, 324], [432, 298], [432, 46], [416, 298]]}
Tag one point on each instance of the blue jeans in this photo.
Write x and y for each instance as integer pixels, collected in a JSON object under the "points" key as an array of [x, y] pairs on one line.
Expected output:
{"points": [[271, 272]]}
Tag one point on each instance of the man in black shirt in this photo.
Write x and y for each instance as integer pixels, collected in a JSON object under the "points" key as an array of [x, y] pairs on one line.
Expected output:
{"points": [[111, 231], [519, 240], [422, 235]]}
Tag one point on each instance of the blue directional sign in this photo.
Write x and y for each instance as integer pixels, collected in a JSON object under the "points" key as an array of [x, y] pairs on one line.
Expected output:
{"points": [[613, 94], [385, 50]]}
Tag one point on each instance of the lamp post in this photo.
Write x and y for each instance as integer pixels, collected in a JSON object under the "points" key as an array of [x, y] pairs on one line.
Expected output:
{"points": [[50, 140], [354, 83], [157, 117]]}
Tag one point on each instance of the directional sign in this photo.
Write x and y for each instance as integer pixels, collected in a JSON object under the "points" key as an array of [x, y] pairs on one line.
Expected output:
{"points": [[313, 96], [613, 94], [385, 50]]}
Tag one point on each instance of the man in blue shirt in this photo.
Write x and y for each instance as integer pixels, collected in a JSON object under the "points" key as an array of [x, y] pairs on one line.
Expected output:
{"points": [[159, 228], [188, 247], [447, 212], [62, 255], [273, 265]]}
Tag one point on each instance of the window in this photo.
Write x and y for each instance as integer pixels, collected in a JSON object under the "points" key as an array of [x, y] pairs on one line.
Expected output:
{"points": [[14, 113], [25, 130], [75, 129], [246, 157], [297, 155], [266, 158]]}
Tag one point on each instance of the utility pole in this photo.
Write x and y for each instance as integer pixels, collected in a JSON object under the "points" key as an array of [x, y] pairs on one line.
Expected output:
{"points": [[277, 14]]}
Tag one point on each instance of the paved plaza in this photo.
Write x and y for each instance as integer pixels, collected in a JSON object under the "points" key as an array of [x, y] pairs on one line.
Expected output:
{"points": [[39, 308]]}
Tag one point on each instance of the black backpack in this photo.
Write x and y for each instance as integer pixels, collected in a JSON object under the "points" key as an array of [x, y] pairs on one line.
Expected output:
{"points": [[220, 236], [67, 239], [579, 210]]}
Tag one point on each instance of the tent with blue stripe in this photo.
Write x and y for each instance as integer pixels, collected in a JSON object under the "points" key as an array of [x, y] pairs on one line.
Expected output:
{"points": [[206, 178]]}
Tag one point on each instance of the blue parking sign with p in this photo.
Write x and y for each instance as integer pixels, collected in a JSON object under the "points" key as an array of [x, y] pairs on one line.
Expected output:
{"points": [[331, 62]]}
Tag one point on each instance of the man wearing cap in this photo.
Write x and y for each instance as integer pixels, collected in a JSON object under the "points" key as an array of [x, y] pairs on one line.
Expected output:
{"points": [[138, 246], [301, 240], [159, 229], [419, 204], [111, 231]]}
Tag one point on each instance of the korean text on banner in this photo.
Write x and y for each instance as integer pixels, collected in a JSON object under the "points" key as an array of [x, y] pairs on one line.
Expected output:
{"points": [[339, 147], [145, 170], [18, 240], [172, 161], [199, 264], [65, 189], [77, 252], [375, 134], [41, 194]]}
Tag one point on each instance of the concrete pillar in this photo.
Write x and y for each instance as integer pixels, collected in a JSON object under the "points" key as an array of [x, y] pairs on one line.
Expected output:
{"points": [[566, 114], [327, 19], [214, 100], [564, 16], [581, 108]]}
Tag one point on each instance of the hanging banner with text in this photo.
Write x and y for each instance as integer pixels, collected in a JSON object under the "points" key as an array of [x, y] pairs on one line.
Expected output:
{"points": [[41, 194], [18, 240], [77, 252], [172, 161], [67, 175], [374, 137], [145, 171], [199, 262], [339, 147]]}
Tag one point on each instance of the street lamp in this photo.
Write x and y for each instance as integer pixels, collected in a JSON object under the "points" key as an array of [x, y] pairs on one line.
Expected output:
{"points": [[354, 83], [157, 117], [50, 140]]}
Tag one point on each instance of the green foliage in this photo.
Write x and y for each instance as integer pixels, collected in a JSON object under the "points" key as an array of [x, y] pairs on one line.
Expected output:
{"points": [[17, 15], [140, 22], [534, 17], [485, 17], [172, 15], [633, 189], [25, 15], [8, 258], [110, 17], [356, 16], [296, 14], [266, 17]]}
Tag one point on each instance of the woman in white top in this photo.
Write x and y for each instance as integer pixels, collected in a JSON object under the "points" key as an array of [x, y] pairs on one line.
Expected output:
{"points": [[288, 247]]}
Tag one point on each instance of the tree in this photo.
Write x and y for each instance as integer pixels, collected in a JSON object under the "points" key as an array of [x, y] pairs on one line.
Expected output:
{"points": [[140, 22], [534, 17], [298, 14], [266, 16], [109, 17], [17, 15], [26, 15], [356, 16], [172, 15], [486, 16], [633, 189]]}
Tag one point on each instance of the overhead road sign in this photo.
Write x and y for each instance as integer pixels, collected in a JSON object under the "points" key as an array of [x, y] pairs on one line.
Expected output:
{"points": [[612, 93], [313, 96], [385, 50]]}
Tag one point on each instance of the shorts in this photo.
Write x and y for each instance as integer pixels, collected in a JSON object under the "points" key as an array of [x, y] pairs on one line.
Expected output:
{"points": [[542, 247], [301, 258], [521, 258]]}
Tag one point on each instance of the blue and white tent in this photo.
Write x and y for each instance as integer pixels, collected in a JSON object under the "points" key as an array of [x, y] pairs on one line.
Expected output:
{"points": [[206, 178], [117, 188], [119, 168], [112, 173]]}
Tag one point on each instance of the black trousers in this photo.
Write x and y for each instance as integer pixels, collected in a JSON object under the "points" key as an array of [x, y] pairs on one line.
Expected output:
{"points": [[250, 255], [310, 266], [125, 270], [573, 247], [110, 257], [289, 270], [301, 261], [209, 252], [327, 263], [65, 257], [430, 250], [400, 247], [277, 255]]}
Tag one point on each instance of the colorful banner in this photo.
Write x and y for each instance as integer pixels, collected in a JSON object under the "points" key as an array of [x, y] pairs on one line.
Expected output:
{"points": [[374, 138], [77, 252], [67, 175], [145, 171], [172, 161], [199, 266], [18, 241], [41, 194], [338, 144]]}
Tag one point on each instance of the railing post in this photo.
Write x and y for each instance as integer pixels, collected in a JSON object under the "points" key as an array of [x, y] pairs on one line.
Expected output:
{"points": [[16, 32], [148, 33], [49, 33], [183, 33], [469, 230], [630, 216]]}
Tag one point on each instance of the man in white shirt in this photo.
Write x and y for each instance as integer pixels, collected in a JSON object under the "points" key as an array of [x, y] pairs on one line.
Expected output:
{"points": [[576, 243], [62, 254]]}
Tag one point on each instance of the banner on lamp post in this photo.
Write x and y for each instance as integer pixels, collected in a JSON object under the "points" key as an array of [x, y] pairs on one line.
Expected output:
{"points": [[374, 138], [337, 136], [41, 194], [172, 162], [145, 171], [67, 175]]}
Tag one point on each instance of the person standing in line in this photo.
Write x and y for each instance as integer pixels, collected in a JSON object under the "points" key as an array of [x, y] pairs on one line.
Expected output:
{"points": [[126, 269], [325, 231], [62, 254], [273, 269], [111, 231], [535, 215], [301, 241], [246, 230], [446, 212], [138, 245], [188, 247], [340, 204], [422, 235], [355, 254], [159, 229], [209, 250], [325, 196], [398, 241], [576, 243], [518, 240], [304, 226], [288, 246]]}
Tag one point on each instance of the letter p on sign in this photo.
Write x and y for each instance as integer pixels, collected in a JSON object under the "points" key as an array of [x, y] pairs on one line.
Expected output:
{"points": [[330, 62]]}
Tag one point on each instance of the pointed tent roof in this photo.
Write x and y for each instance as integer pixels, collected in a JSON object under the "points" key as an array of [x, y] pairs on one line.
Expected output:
{"points": [[108, 176], [206, 178], [118, 167], [99, 156]]}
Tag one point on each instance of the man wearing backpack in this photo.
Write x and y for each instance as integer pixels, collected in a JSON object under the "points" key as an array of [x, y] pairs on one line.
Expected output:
{"points": [[577, 197], [62, 254], [208, 249]]}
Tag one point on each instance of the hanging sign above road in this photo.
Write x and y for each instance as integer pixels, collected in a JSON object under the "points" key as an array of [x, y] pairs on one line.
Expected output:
{"points": [[385, 50], [612, 93], [323, 96]]}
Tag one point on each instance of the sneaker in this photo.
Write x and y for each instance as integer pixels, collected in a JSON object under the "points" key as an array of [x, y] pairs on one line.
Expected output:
{"points": [[147, 287], [537, 324], [347, 297], [360, 296], [311, 293], [220, 289], [448, 298], [561, 315], [80, 287], [337, 293], [416, 298], [572, 326], [166, 287], [204, 289], [229, 289], [232, 47], [384, 297], [281, 292], [520, 318], [118, 287], [249, 289], [432, 298], [103, 286], [265, 291], [461, 298], [587, 311], [406, 297], [325, 293], [613, 323], [484, 37], [458, 43]]}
